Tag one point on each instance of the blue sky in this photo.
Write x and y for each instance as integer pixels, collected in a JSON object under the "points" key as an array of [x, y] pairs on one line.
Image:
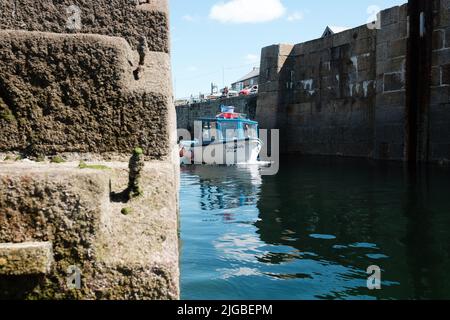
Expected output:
{"points": [[220, 40]]}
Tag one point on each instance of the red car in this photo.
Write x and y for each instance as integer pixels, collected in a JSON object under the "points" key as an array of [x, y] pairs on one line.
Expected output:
{"points": [[244, 92]]}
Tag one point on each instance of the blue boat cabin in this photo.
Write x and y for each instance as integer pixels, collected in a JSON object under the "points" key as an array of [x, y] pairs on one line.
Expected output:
{"points": [[228, 129]]}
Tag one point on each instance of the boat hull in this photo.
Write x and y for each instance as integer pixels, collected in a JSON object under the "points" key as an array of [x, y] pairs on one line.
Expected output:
{"points": [[226, 153]]}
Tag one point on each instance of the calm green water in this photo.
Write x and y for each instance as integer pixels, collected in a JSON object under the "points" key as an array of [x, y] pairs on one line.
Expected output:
{"points": [[312, 231]]}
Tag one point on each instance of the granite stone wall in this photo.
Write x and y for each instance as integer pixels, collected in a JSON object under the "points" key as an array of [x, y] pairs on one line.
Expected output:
{"points": [[439, 130], [390, 103], [322, 93], [347, 94]]}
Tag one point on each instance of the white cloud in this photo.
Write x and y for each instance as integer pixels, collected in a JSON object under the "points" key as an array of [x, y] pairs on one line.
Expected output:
{"points": [[337, 29], [189, 18], [192, 69], [247, 11], [295, 16], [252, 58]]}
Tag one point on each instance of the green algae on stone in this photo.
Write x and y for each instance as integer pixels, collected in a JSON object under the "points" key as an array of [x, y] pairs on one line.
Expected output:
{"points": [[57, 159], [7, 115], [126, 211], [138, 151], [40, 159], [84, 165]]}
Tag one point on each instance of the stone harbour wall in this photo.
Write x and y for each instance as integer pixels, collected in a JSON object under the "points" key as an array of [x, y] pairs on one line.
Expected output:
{"points": [[354, 93], [439, 130], [390, 100]]}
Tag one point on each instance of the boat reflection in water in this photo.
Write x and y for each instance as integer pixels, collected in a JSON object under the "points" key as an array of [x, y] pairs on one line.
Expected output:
{"points": [[312, 231], [220, 191]]}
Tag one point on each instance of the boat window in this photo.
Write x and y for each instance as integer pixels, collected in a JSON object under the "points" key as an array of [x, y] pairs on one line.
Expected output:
{"points": [[250, 130], [209, 131], [213, 131], [206, 131], [229, 130]]}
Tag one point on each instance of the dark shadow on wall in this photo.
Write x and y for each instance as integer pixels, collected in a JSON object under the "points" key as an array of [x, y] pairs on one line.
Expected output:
{"points": [[18, 287]]}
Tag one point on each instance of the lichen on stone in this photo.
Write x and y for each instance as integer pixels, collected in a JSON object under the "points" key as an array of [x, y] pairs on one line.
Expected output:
{"points": [[136, 165]]}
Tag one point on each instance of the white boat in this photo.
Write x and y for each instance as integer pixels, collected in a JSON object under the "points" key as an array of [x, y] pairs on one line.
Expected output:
{"points": [[228, 139]]}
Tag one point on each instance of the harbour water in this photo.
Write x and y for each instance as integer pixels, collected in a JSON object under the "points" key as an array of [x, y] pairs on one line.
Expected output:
{"points": [[312, 231]]}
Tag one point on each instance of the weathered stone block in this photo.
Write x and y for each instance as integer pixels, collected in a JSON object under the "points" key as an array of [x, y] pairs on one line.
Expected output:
{"points": [[391, 65], [403, 12], [386, 147], [342, 38], [271, 86], [366, 61], [79, 211], [440, 95], [77, 93], [390, 114], [397, 48], [435, 76], [120, 18], [440, 115], [446, 37], [363, 46], [445, 69], [391, 99], [441, 57], [394, 82], [362, 32], [270, 51], [382, 51], [392, 32], [267, 110], [390, 16], [440, 132], [438, 39], [443, 18], [440, 151], [24, 259], [300, 108]]}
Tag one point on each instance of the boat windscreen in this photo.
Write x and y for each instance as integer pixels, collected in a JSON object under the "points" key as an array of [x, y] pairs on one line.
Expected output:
{"points": [[250, 130], [229, 130], [209, 131]]}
